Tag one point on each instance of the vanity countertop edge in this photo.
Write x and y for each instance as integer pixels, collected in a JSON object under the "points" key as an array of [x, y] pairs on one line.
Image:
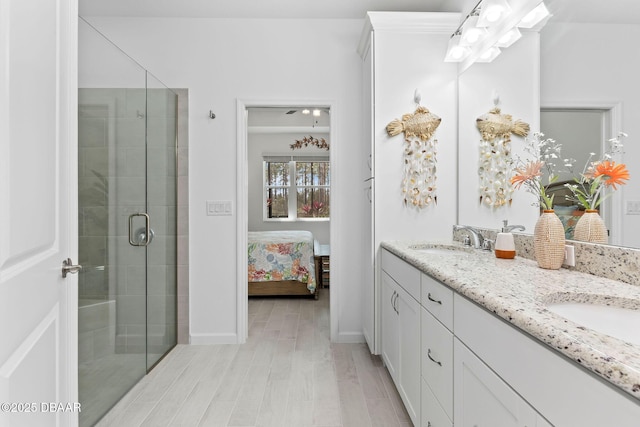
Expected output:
{"points": [[517, 291]]}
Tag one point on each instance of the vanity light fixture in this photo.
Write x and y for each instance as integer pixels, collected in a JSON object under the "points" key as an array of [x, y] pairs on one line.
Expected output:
{"points": [[492, 12], [471, 33], [455, 52], [509, 38], [489, 54], [534, 17], [491, 25], [316, 113], [306, 111]]}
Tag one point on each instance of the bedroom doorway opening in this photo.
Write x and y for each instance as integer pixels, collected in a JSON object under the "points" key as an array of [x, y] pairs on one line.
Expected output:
{"points": [[285, 161]]}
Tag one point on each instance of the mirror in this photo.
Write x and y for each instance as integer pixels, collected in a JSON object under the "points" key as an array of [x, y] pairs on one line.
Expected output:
{"points": [[587, 63], [583, 131]]}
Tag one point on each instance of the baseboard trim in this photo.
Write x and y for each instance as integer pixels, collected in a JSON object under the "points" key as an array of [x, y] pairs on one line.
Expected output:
{"points": [[350, 337]]}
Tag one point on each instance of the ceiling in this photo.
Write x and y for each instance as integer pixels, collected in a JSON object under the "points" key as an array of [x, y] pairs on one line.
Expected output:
{"points": [[609, 11], [354, 9]]}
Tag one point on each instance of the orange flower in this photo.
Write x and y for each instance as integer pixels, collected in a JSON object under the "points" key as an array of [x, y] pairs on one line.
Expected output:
{"points": [[614, 174], [527, 173]]}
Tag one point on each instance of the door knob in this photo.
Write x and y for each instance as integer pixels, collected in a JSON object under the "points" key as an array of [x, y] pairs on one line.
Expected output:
{"points": [[68, 267]]}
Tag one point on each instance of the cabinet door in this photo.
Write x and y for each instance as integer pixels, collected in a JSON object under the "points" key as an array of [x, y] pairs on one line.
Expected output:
{"points": [[369, 295], [437, 360], [390, 326], [409, 384], [482, 398], [432, 414]]}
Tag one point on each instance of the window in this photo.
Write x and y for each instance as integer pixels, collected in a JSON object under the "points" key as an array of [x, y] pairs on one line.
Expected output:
{"points": [[296, 188]]}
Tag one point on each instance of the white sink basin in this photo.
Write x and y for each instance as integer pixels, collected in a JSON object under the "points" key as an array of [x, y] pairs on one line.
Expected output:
{"points": [[621, 323]]}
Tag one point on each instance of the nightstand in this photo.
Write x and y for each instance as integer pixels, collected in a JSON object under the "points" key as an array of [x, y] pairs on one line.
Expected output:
{"points": [[322, 264]]}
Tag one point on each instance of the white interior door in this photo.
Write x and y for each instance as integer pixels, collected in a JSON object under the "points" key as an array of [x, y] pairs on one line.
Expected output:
{"points": [[38, 213]]}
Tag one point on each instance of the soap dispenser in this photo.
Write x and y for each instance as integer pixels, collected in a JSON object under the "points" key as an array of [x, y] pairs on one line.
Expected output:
{"points": [[505, 246]]}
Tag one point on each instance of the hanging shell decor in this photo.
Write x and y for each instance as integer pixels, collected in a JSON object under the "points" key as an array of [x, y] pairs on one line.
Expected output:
{"points": [[495, 162], [419, 176]]}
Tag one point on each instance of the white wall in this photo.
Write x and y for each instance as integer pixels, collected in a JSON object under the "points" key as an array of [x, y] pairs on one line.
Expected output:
{"points": [[278, 143], [591, 64], [220, 61]]}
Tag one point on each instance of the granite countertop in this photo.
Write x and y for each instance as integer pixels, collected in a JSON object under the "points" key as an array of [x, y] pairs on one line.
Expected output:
{"points": [[518, 290]]}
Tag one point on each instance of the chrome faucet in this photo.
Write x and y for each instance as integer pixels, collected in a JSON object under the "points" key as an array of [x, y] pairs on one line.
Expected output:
{"points": [[475, 234], [506, 228]]}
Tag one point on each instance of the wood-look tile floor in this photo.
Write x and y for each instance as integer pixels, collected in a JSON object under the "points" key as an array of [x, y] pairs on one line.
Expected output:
{"points": [[287, 374]]}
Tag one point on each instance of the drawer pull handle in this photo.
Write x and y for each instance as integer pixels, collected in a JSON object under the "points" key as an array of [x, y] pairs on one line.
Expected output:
{"points": [[432, 359], [433, 300]]}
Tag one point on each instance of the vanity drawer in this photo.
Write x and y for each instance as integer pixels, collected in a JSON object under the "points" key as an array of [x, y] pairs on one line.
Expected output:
{"points": [[438, 300], [403, 273], [432, 413], [437, 360]]}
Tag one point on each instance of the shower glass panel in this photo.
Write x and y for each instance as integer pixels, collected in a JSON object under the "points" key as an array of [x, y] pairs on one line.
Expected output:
{"points": [[162, 206], [126, 178]]}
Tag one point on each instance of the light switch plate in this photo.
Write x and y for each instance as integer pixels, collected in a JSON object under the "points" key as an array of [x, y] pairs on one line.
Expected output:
{"points": [[633, 207], [219, 207]]}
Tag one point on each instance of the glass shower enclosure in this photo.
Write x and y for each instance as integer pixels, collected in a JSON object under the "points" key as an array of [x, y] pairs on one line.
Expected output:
{"points": [[127, 122]]}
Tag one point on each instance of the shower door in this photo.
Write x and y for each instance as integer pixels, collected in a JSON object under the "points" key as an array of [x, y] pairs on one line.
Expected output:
{"points": [[161, 200], [127, 223]]}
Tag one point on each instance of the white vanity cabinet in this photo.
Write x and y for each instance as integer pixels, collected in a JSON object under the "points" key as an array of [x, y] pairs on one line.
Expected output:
{"points": [[563, 392], [437, 353], [483, 399], [390, 349], [455, 363], [401, 329]]}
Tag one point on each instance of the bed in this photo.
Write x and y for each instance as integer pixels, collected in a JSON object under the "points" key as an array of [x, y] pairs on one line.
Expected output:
{"points": [[281, 263]]}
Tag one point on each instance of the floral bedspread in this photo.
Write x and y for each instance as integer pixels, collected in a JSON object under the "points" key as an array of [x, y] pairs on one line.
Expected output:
{"points": [[282, 255]]}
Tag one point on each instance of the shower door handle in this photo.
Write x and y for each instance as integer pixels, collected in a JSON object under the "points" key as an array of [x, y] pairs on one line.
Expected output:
{"points": [[68, 267], [142, 236]]}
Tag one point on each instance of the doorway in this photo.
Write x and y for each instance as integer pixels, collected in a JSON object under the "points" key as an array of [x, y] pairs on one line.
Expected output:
{"points": [[265, 130]]}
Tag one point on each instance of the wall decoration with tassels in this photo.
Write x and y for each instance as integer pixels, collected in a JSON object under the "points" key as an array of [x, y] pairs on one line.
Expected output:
{"points": [[419, 175], [495, 165]]}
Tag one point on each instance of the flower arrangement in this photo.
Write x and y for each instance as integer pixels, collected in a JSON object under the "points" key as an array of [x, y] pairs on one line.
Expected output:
{"points": [[545, 153], [598, 175]]}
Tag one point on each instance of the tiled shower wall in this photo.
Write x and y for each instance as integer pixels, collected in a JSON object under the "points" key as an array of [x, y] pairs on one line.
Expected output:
{"points": [[183, 215], [93, 212]]}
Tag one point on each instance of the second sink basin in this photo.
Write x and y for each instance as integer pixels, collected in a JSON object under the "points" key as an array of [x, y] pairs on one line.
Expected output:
{"points": [[621, 323]]}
